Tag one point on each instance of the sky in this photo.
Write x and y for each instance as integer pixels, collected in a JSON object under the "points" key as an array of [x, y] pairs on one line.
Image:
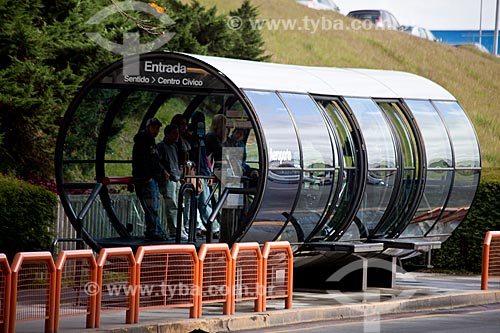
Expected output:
{"points": [[434, 14]]}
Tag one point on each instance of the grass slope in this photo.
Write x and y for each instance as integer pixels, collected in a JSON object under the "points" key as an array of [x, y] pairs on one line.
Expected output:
{"points": [[471, 76]]}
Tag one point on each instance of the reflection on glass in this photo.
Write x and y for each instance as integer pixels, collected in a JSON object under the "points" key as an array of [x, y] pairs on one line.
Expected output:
{"points": [[462, 134], [349, 183], [462, 194], [382, 164], [439, 157], [407, 187], [283, 179], [378, 138], [239, 168], [316, 146], [436, 191], [318, 160], [436, 141], [378, 191], [406, 137]]}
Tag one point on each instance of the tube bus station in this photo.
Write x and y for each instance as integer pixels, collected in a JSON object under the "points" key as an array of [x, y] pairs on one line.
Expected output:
{"points": [[344, 164]]}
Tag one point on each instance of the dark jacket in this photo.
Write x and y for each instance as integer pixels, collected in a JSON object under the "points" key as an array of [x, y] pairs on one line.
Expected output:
{"points": [[145, 159]]}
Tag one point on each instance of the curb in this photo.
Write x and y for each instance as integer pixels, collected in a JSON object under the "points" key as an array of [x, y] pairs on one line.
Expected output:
{"points": [[263, 320]]}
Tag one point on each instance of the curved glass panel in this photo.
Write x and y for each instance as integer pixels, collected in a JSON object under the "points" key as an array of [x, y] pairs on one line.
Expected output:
{"points": [[437, 143], [378, 137], [437, 186], [318, 162], [284, 175], [439, 173], [382, 164], [408, 185], [464, 189], [349, 186], [316, 147], [466, 154], [463, 137]]}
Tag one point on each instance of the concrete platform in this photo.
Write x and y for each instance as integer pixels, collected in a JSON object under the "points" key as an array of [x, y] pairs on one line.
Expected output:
{"points": [[414, 292]]}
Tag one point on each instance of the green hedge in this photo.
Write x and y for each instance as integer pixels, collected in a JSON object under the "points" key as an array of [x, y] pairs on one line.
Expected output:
{"points": [[27, 215], [463, 250]]}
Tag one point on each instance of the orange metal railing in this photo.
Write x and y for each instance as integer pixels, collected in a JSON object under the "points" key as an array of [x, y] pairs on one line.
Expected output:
{"points": [[491, 257], [215, 276], [246, 274], [162, 276], [5, 283], [167, 277], [76, 286], [277, 272], [33, 289], [116, 280]]}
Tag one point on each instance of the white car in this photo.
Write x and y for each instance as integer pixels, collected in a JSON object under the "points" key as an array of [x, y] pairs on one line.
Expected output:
{"points": [[320, 4], [382, 19], [420, 32]]}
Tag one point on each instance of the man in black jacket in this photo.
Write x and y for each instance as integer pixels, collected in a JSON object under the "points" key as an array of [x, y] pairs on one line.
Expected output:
{"points": [[148, 172]]}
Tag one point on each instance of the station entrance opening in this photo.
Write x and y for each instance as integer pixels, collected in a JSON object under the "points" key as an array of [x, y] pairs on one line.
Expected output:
{"points": [[339, 162]]}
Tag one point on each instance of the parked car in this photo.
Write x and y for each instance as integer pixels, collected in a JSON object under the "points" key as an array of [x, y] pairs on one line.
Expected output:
{"points": [[320, 4], [420, 32], [380, 18]]}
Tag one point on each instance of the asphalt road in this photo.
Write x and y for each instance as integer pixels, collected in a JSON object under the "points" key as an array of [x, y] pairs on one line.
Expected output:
{"points": [[484, 319]]}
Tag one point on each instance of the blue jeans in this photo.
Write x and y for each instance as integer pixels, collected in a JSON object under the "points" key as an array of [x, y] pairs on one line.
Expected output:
{"points": [[149, 197], [206, 209]]}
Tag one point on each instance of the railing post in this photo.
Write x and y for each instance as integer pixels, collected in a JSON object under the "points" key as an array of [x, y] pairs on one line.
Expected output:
{"points": [[246, 269], [159, 263], [217, 276], [491, 237], [5, 296], [277, 259], [44, 258], [63, 272], [125, 254]]}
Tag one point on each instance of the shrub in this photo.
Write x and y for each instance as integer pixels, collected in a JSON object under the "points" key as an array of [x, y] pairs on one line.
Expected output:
{"points": [[27, 214]]}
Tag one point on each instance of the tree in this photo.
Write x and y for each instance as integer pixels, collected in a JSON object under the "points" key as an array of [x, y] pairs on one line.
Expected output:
{"points": [[46, 55], [249, 44]]}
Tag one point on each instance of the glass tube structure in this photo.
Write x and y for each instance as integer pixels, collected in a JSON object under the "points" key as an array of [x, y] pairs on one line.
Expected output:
{"points": [[311, 155]]}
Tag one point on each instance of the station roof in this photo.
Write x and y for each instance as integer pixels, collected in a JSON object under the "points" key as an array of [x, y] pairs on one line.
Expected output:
{"points": [[325, 80]]}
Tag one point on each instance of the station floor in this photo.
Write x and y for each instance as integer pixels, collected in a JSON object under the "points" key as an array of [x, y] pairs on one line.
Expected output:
{"points": [[414, 291]]}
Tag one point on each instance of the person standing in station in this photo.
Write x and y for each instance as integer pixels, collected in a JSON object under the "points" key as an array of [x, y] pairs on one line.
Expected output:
{"points": [[215, 140], [148, 172], [198, 154], [169, 188]]}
